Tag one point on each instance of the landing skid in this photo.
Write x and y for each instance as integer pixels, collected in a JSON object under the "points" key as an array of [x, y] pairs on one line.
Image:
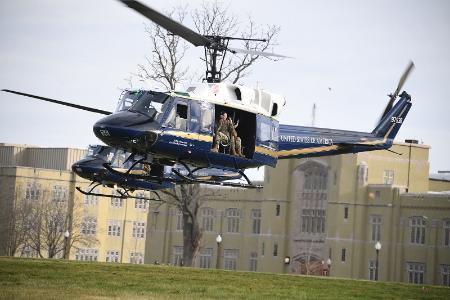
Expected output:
{"points": [[190, 178], [122, 195]]}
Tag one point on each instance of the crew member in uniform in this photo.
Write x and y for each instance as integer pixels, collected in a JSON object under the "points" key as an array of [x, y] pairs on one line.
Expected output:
{"points": [[221, 132]]}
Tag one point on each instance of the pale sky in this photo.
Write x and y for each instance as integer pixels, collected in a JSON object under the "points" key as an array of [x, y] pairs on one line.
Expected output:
{"points": [[81, 51]]}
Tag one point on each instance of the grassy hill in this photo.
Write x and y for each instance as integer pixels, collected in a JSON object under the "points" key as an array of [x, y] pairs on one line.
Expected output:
{"points": [[51, 279]]}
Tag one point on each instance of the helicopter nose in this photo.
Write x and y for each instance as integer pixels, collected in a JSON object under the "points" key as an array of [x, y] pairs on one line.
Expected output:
{"points": [[88, 168], [123, 130]]}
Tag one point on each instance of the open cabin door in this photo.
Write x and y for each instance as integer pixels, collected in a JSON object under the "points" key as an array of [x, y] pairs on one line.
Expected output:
{"points": [[245, 129]]}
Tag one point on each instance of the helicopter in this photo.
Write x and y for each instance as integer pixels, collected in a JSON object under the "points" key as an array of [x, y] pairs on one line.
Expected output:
{"points": [[158, 129]]}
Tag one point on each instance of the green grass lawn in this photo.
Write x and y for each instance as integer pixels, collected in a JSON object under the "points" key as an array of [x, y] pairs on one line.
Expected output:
{"points": [[58, 279]]}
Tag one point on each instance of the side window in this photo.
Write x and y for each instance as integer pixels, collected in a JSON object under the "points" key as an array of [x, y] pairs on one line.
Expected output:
{"points": [[207, 117], [194, 118], [181, 116]]}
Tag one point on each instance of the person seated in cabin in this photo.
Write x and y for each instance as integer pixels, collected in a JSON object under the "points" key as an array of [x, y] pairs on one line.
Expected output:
{"points": [[236, 144], [221, 132]]}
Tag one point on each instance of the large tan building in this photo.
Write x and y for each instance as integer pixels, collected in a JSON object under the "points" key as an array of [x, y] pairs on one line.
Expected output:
{"points": [[310, 211], [100, 229]]}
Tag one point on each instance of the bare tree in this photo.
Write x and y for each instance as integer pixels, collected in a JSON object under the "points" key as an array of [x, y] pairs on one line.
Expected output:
{"points": [[164, 67], [214, 19], [188, 199], [47, 222]]}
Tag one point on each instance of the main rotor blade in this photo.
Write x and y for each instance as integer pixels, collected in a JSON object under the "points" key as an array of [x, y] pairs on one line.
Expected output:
{"points": [[171, 25], [94, 110], [260, 53]]}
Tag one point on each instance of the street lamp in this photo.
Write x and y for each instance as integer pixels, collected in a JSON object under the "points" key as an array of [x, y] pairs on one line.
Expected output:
{"points": [[377, 249], [66, 238], [218, 241], [329, 265]]}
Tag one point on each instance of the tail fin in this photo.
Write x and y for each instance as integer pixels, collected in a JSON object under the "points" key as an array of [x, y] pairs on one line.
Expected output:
{"points": [[389, 125]]}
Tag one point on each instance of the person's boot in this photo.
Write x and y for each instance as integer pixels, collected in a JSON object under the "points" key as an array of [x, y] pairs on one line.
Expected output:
{"points": [[215, 147]]}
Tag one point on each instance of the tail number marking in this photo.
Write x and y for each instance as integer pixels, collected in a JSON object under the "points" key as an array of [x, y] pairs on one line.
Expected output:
{"points": [[397, 120]]}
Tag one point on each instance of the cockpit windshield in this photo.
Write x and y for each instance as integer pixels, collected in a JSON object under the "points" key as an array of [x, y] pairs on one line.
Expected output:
{"points": [[146, 102], [150, 104], [116, 157]]}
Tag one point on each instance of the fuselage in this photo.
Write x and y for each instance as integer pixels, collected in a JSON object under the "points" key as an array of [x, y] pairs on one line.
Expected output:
{"points": [[182, 129]]}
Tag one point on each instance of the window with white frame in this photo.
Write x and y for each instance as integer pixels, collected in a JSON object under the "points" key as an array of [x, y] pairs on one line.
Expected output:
{"points": [[233, 218], [140, 203], [113, 256], [388, 176], [205, 257], [28, 251], [114, 228], [179, 225], [416, 272], [230, 257], [256, 221], [446, 224], [91, 200], [33, 191], [418, 226], [116, 202], [59, 193], [138, 229], [136, 258], [375, 227], [89, 226], [253, 261], [177, 259], [372, 269], [207, 218], [86, 254], [445, 275]]}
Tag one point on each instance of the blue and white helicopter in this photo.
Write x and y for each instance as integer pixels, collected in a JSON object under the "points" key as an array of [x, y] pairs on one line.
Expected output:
{"points": [[157, 130]]}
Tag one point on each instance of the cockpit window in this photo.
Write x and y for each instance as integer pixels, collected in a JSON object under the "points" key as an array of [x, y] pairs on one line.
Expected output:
{"points": [[150, 104], [127, 99]]}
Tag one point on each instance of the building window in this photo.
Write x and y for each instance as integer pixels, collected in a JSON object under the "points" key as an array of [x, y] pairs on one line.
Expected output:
{"points": [[253, 261], [263, 248], [416, 272], [207, 219], [277, 210], [205, 258], [256, 221], [375, 225], [114, 228], [388, 176], [372, 268], [59, 193], [343, 254], [233, 217], [138, 230], [447, 233], [230, 258], [275, 249], [116, 201], [445, 274], [112, 256], [89, 226], [345, 213], [418, 225], [377, 196], [177, 256], [86, 254], [179, 226], [33, 191], [136, 258], [91, 199], [141, 203], [313, 220]]}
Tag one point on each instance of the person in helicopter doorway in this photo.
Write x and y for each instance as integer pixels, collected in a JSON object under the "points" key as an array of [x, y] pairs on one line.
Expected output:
{"points": [[221, 132], [236, 145]]}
